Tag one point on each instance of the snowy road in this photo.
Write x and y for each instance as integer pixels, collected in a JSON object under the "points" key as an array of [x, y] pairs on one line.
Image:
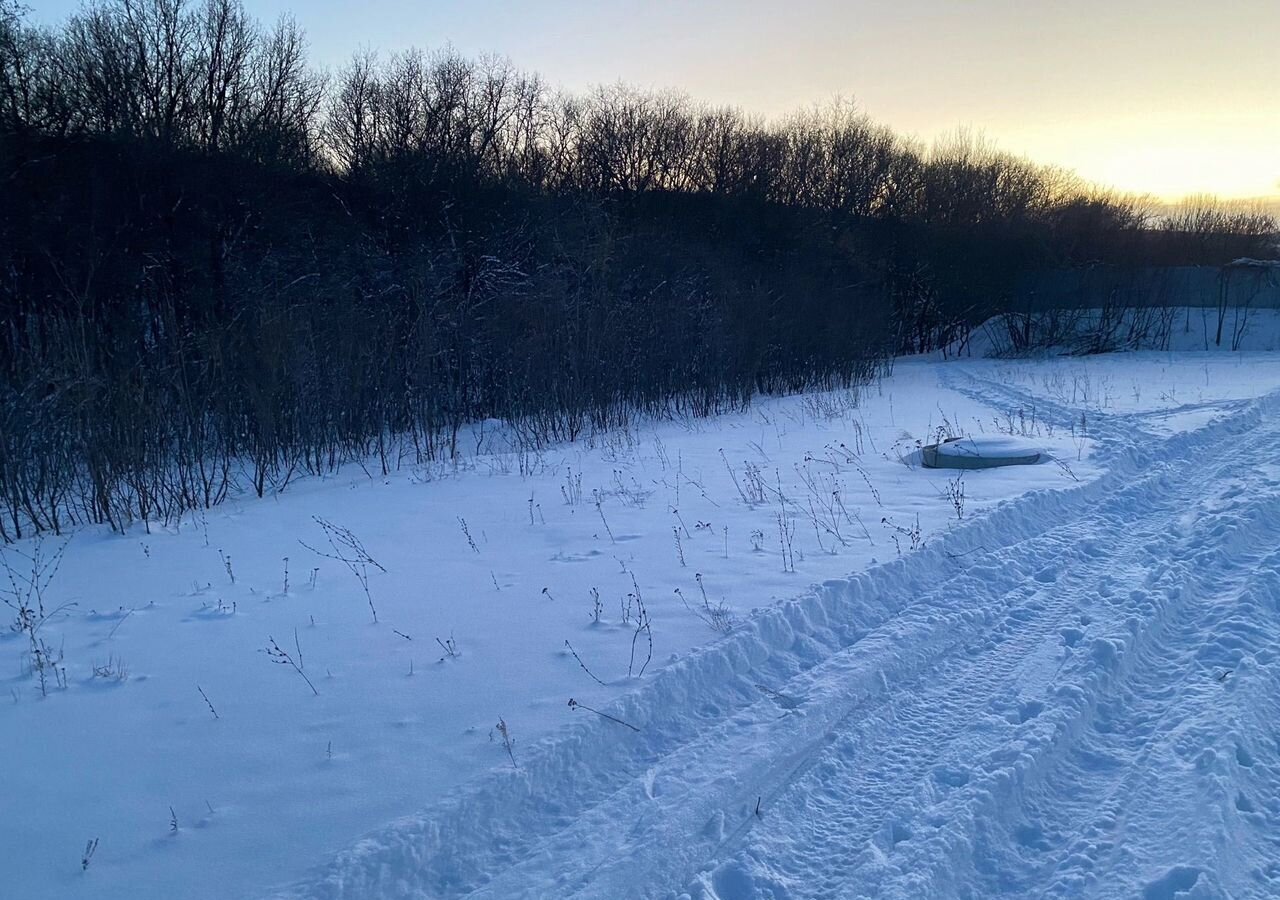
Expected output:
{"points": [[1076, 695]]}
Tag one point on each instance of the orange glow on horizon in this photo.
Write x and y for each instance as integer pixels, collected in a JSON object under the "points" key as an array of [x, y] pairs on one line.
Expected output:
{"points": [[1231, 159]]}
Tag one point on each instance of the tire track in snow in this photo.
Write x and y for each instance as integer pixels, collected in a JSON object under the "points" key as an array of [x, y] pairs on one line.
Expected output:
{"points": [[1183, 719], [841, 820], [1153, 656], [597, 813], [1104, 423], [903, 698]]}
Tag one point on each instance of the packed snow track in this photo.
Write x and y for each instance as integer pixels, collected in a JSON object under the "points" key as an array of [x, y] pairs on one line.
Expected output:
{"points": [[1076, 695]]}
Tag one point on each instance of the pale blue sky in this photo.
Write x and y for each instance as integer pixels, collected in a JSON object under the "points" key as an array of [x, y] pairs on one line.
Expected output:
{"points": [[1159, 96]]}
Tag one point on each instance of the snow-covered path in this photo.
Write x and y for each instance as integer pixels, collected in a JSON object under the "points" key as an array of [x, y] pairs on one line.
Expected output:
{"points": [[1090, 735], [1076, 695]]}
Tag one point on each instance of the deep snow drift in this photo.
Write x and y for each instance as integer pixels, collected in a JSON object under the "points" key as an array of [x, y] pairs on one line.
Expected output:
{"points": [[1049, 678]]}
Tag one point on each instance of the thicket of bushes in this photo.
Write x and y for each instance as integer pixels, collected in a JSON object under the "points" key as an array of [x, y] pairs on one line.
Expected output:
{"points": [[216, 263]]}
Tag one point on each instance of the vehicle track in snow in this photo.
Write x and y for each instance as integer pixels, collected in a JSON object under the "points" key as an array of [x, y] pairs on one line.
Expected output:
{"points": [[982, 717], [1112, 757]]}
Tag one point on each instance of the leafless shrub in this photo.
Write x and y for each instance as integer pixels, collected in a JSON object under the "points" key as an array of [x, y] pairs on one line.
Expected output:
{"points": [[954, 494], [584, 665], [208, 702], [508, 742], [630, 491], [450, 648], [466, 532], [600, 509], [571, 490], [914, 535], [786, 536], [29, 576], [716, 616], [574, 704], [1080, 435], [282, 657], [114, 669], [226, 565], [643, 626], [348, 550], [906, 449]]}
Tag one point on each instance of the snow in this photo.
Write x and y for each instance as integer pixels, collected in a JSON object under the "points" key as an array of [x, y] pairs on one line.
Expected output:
{"points": [[1017, 692]]}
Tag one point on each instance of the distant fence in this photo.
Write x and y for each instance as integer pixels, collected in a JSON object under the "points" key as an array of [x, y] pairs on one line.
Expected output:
{"points": [[1100, 309], [1234, 285]]}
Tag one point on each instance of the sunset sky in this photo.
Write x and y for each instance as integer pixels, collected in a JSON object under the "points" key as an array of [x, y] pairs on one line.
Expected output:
{"points": [[1168, 98]]}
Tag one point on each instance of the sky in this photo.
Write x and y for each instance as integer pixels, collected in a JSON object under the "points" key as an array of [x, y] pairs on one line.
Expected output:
{"points": [[1161, 97]]}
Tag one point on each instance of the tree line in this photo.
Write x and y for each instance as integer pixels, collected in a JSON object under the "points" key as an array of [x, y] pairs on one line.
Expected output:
{"points": [[220, 266]]}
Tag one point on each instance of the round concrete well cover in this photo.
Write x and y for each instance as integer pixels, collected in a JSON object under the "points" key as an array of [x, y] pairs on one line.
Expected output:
{"points": [[981, 452]]}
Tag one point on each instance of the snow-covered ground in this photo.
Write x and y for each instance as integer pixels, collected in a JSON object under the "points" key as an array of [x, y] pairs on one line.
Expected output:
{"points": [[898, 682]]}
